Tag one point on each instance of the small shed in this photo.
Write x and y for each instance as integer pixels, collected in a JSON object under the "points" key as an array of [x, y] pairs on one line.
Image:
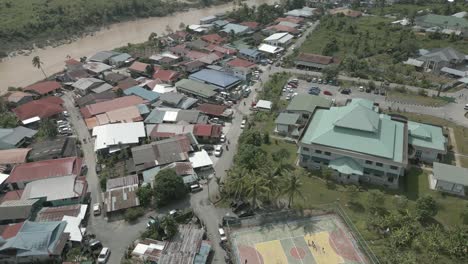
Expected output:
{"points": [[263, 105], [449, 178]]}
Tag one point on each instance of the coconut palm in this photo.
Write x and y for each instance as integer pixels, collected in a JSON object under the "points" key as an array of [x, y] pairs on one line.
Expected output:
{"points": [[292, 187], [256, 188], [236, 185], [36, 62], [272, 176]]}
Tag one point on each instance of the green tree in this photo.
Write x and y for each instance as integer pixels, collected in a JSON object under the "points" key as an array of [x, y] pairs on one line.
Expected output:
{"points": [[426, 207], [250, 157], [255, 188], [266, 138], [132, 214], [145, 194], [149, 70], [47, 129], [327, 173], [330, 72], [292, 187], [331, 47], [236, 184], [7, 118], [119, 92], [271, 175], [37, 63], [375, 200], [168, 187], [464, 215], [280, 156], [169, 226]]}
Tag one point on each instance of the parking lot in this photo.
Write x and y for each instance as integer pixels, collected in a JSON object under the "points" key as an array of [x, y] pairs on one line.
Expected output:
{"points": [[334, 91]]}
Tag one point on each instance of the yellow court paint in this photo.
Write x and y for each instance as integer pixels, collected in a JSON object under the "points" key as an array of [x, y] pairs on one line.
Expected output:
{"points": [[321, 240], [272, 252]]}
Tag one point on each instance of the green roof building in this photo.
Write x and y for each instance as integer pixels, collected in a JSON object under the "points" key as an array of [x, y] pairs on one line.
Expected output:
{"points": [[442, 22], [305, 104], [362, 145], [196, 89], [427, 142], [357, 142], [287, 124]]}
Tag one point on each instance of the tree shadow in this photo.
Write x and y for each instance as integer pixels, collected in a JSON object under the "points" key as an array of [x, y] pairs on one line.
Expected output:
{"points": [[356, 207]]}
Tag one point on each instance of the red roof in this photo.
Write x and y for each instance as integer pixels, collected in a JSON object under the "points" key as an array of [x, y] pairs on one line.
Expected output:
{"points": [[10, 231], [43, 108], [11, 196], [166, 75], [281, 28], [223, 50], [250, 24], [205, 130], [117, 103], [194, 55], [212, 109], [295, 20], [44, 169], [72, 62], [183, 168], [213, 38], [138, 66], [202, 130], [240, 63], [125, 84], [43, 87]]}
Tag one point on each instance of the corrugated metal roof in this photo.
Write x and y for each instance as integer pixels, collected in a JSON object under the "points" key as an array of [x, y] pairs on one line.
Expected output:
{"points": [[450, 173], [121, 182]]}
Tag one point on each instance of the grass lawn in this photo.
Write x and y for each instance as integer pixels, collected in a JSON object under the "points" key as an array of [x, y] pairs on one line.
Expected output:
{"points": [[415, 99]]}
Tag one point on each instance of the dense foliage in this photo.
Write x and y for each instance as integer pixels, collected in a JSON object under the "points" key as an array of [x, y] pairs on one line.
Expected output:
{"points": [[168, 187]]}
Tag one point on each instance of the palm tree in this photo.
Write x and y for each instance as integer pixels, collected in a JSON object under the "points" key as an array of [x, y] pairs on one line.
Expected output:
{"points": [[236, 185], [292, 187], [255, 188], [272, 180], [36, 62]]}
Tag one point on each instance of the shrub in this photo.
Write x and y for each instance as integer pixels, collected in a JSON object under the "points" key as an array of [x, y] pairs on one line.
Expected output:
{"points": [[133, 214]]}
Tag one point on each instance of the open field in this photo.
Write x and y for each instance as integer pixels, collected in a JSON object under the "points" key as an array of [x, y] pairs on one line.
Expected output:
{"points": [[371, 48], [321, 239]]}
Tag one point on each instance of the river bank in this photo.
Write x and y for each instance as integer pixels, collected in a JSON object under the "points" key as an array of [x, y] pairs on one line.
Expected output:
{"points": [[19, 72]]}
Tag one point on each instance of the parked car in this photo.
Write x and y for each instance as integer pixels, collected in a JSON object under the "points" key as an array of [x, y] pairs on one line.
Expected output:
{"points": [[296, 81], [361, 88], [320, 81], [218, 151], [98, 168], [209, 148], [174, 212], [216, 120], [309, 79], [293, 84], [382, 92], [288, 97], [327, 93], [96, 209], [466, 107], [222, 234], [368, 90], [314, 80], [376, 91], [314, 90], [230, 220], [195, 187], [245, 213], [222, 138], [95, 244], [346, 91], [243, 124], [65, 113], [104, 255]]}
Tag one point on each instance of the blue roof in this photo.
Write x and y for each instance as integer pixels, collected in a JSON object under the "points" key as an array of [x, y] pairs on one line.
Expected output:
{"points": [[250, 52], [121, 57], [202, 256], [144, 109], [143, 93], [36, 239], [217, 78], [238, 29], [155, 117]]}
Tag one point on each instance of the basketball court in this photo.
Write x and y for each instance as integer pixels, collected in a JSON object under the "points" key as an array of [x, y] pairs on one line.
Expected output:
{"points": [[320, 239]]}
